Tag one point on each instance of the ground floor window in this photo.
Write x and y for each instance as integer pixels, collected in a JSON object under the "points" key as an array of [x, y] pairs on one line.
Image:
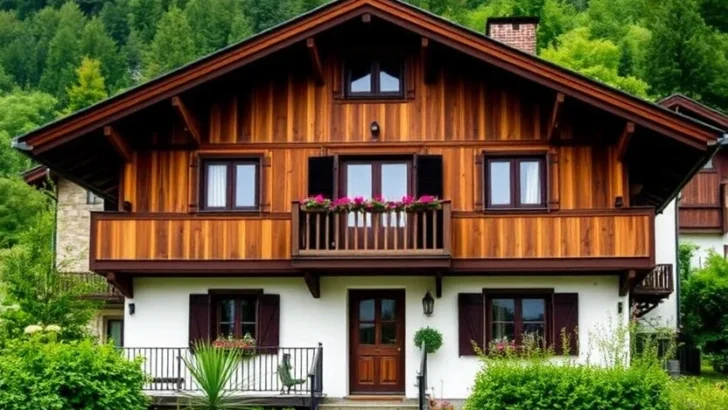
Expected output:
{"points": [[236, 316], [515, 320], [114, 332]]}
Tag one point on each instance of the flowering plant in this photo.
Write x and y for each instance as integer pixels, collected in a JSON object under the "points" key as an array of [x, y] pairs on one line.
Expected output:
{"points": [[441, 405], [246, 344], [341, 204], [501, 346], [376, 205], [316, 203], [425, 203]]}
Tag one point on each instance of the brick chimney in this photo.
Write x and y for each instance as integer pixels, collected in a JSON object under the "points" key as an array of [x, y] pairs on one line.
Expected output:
{"points": [[517, 32]]}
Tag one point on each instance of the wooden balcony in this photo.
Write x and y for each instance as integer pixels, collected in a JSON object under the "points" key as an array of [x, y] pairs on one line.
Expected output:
{"points": [[395, 236], [657, 286], [91, 286]]}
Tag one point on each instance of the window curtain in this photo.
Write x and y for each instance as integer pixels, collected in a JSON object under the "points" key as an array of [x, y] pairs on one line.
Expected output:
{"points": [[216, 185], [530, 183]]}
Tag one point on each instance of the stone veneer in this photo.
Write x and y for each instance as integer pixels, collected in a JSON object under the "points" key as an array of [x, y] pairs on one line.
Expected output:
{"points": [[73, 226]]}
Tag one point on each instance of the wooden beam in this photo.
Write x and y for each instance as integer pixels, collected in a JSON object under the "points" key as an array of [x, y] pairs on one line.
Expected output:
{"points": [[188, 119], [624, 140], [121, 146], [313, 54], [123, 283], [427, 61], [556, 116], [313, 282], [438, 285], [627, 282]]}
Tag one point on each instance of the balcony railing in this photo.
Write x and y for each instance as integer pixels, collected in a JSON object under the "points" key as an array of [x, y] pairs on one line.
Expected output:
{"points": [[362, 234], [658, 282], [91, 285]]}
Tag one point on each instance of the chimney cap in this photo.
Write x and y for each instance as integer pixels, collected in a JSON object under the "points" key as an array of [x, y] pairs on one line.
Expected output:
{"points": [[510, 20]]}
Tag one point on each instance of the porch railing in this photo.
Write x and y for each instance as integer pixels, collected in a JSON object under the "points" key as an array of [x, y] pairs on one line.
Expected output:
{"points": [[422, 233], [422, 399], [658, 281], [258, 373], [315, 377]]}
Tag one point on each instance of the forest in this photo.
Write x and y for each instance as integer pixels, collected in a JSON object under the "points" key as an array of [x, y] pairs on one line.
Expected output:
{"points": [[59, 56]]}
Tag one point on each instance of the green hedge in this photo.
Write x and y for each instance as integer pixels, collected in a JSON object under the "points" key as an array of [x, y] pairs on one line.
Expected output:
{"points": [[534, 385], [40, 373]]}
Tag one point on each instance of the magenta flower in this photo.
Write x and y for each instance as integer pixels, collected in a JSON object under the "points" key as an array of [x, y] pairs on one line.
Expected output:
{"points": [[319, 198], [359, 200], [426, 199], [406, 200]]}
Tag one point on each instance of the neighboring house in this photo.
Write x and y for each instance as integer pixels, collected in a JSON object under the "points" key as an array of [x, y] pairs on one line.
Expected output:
{"points": [[73, 215], [703, 202], [551, 183]]}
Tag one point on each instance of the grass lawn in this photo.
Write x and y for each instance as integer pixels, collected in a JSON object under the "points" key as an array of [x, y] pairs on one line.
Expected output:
{"points": [[708, 375], [709, 391]]}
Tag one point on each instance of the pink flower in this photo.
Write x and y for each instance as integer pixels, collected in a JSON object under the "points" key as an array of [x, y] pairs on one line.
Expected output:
{"points": [[406, 200], [378, 198], [359, 200], [319, 198], [426, 199]]}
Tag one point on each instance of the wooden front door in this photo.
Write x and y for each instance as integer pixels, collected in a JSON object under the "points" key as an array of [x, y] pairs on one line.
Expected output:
{"points": [[377, 341]]}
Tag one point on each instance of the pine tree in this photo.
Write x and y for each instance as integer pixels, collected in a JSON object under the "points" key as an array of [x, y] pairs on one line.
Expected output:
{"points": [[43, 26], [172, 46], [98, 45], [133, 51], [64, 53], [145, 16], [240, 28], [267, 13], [90, 87], [115, 16], [211, 23]]}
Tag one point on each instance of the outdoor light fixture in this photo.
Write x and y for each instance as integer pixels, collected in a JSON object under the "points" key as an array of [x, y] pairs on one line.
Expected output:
{"points": [[132, 309], [428, 304], [620, 306], [375, 129]]}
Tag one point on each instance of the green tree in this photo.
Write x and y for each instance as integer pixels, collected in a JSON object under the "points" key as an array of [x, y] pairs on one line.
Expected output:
{"points": [[240, 28], [43, 26], [134, 51], [145, 16], [267, 13], [22, 111], [211, 23], [64, 53], [598, 59], [98, 45], [715, 13], [6, 82], [557, 17], [35, 287], [19, 205], [610, 19], [116, 17], [90, 86], [172, 46]]}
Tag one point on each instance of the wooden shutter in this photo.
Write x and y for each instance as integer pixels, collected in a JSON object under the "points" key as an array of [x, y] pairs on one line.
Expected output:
{"points": [[471, 321], [269, 320], [429, 175], [321, 176], [199, 319], [552, 179], [478, 182], [194, 183], [263, 188], [566, 317]]}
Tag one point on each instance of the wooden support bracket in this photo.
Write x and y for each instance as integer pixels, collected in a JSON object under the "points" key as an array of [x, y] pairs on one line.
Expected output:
{"points": [[556, 116], [427, 61], [624, 140], [313, 282], [438, 285], [314, 56], [627, 282], [123, 283], [121, 146], [188, 118]]}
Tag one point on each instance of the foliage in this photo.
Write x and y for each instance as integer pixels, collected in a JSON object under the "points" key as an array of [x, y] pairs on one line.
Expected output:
{"points": [[90, 86], [213, 369], [21, 111], [685, 253], [705, 309], [19, 203], [430, 338], [39, 372], [173, 44], [695, 393], [37, 292]]}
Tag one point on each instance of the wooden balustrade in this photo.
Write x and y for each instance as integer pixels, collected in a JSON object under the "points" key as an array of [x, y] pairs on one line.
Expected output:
{"points": [[658, 281], [352, 234]]}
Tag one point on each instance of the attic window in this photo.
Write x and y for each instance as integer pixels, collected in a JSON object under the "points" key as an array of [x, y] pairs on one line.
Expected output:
{"points": [[366, 78]]}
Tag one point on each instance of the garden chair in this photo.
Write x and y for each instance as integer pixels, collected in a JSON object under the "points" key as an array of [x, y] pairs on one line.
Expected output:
{"points": [[284, 372]]}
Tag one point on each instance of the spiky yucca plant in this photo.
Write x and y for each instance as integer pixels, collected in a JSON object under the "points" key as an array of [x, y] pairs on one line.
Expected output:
{"points": [[212, 369]]}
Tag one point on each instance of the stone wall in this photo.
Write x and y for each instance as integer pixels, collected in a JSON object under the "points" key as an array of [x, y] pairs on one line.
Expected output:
{"points": [[74, 221]]}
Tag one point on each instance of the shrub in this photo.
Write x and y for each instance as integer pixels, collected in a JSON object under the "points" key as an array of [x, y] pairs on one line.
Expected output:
{"points": [[542, 384], [38, 372], [431, 338], [693, 393]]}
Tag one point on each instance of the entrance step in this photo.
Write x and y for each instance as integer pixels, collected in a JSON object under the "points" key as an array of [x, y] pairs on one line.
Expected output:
{"points": [[369, 403]]}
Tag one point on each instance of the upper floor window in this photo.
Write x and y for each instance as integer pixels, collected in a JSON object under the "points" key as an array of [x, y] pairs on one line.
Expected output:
{"points": [[231, 184], [709, 164], [92, 199], [515, 182], [375, 78]]}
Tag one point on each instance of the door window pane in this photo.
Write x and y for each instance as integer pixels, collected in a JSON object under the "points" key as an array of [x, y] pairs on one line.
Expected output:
{"points": [[390, 74], [361, 77], [366, 333], [216, 186], [388, 309], [114, 332], [366, 310], [389, 333], [500, 182], [530, 182], [395, 181], [245, 185], [358, 183]]}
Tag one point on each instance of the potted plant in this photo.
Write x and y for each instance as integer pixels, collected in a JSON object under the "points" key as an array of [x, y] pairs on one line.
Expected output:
{"points": [[246, 345], [316, 203], [429, 339]]}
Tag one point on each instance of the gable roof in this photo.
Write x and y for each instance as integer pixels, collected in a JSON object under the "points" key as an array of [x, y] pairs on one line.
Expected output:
{"points": [[688, 106], [641, 112]]}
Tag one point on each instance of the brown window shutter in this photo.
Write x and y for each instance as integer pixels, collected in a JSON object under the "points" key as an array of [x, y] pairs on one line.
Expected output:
{"points": [[429, 175], [471, 321], [194, 187], [265, 168], [269, 320], [566, 317], [321, 176], [552, 179], [199, 319], [478, 182]]}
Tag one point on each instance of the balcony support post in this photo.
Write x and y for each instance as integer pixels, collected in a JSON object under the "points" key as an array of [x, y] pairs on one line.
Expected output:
{"points": [[313, 281], [438, 284], [121, 282], [627, 282]]}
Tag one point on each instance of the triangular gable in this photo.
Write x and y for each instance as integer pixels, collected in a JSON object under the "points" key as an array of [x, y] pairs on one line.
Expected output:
{"points": [[688, 106], [404, 15]]}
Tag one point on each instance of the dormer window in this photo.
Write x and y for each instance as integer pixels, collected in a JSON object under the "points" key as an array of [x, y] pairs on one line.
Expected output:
{"points": [[381, 78]]}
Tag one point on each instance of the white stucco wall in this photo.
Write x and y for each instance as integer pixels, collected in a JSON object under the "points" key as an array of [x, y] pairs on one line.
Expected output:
{"points": [[706, 242], [162, 314], [665, 252]]}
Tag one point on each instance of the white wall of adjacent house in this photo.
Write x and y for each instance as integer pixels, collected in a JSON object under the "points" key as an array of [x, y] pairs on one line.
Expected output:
{"points": [[162, 314], [666, 252], [707, 242]]}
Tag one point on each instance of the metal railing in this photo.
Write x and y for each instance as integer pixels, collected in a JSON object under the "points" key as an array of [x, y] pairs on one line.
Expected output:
{"points": [[422, 399], [91, 285], [355, 233], [166, 369], [659, 280], [315, 377]]}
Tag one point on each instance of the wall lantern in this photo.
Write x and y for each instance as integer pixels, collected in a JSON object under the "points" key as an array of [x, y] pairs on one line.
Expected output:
{"points": [[374, 128], [620, 307], [132, 309], [428, 304]]}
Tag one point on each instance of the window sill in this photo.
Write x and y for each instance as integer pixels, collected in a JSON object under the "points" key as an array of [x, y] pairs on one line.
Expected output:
{"points": [[516, 210], [374, 99]]}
